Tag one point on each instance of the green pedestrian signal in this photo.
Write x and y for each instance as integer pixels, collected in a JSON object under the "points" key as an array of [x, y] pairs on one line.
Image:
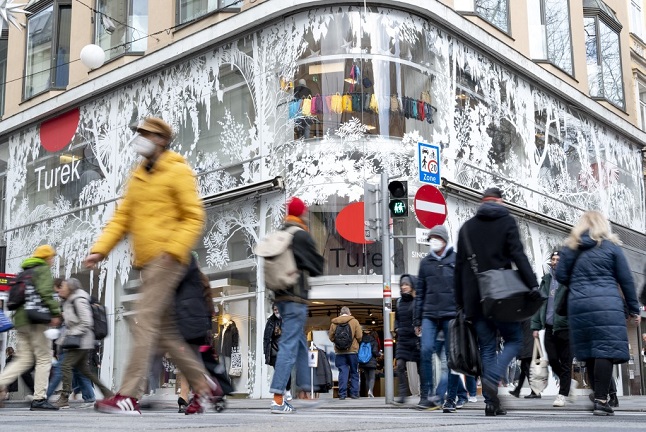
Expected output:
{"points": [[398, 203]]}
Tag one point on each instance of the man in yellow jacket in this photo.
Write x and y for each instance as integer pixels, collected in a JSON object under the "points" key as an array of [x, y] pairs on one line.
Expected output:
{"points": [[163, 214]]}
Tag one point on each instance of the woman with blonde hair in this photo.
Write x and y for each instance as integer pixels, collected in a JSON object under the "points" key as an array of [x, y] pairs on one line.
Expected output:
{"points": [[599, 279]]}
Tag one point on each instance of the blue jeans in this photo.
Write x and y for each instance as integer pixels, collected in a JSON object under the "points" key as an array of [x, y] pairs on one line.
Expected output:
{"points": [[430, 345], [348, 365], [470, 390], [494, 365], [292, 348], [81, 383], [57, 375]]}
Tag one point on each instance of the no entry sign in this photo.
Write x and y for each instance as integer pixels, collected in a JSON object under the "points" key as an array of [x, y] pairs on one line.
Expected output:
{"points": [[430, 206]]}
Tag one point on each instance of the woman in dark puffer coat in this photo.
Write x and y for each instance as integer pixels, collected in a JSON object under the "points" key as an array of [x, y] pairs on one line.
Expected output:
{"points": [[407, 348], [597, 273]]}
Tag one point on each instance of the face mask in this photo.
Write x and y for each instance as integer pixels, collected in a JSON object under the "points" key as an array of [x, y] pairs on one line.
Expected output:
{"points": [[143, 146], [436, 245], [277, 314]]}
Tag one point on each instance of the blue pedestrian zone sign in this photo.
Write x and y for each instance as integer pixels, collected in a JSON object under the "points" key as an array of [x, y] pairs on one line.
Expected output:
{"points": [[428, 161]]}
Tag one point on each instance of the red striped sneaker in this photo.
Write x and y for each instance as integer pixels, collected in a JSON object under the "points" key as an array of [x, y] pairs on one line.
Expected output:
{"points": [[118, 404]]}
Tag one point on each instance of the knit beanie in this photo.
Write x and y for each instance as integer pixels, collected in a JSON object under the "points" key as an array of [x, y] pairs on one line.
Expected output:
{"points": [[296, 207], [441, 232], [405, 280], [44, 252]]}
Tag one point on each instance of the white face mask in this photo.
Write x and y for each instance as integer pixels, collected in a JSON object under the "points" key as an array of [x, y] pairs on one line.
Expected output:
{"points": [[436, 245], [143, 146]]}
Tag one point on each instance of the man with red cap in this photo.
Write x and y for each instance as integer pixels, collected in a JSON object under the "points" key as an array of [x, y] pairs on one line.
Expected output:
{"points": [[292, 306]]}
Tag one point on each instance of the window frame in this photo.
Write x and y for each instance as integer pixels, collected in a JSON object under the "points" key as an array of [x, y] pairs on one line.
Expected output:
{"points": [[129, 13], [507, 31], [547, 58], [637, 13], [4, 36], [219, 8], [37, 8], [600, 17], [641, 104]]}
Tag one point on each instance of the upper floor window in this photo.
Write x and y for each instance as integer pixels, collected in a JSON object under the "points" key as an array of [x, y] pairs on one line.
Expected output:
{"points": [[4, 44], [48, 48], [121, 26], [637, 18], [188, 10], [641, 88], [555, 41]]}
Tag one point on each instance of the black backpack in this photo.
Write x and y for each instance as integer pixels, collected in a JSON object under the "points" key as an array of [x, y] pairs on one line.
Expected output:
{"points": [[99, 317], [18, 287], [343, 337]]}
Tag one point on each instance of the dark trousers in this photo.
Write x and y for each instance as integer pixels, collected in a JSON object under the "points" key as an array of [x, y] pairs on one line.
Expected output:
{"points": [[557, 345], [600, 373], [348, 365], [524, 372], [77, 358]]}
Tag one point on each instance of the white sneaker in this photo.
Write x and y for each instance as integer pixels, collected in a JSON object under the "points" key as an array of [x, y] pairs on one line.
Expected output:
{"points": [[288, 395], [370, 395], [473, 399], [573, 387], [559, 401]]}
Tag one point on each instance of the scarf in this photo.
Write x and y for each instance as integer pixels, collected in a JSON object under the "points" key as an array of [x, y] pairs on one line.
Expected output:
{"points": [[296, 220]]}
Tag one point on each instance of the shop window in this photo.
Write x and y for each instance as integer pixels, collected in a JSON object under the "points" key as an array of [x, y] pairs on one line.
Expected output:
{"points": [[48, 48], [188, 10], [555, 41], [4, 44], [641, 88], [495, 12], [637, 18], [121, 26], [603, 52]]}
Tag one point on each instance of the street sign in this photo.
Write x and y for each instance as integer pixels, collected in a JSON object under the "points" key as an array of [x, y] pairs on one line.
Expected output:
{"points": [[430, 206], [421, 235], [428, 162]]}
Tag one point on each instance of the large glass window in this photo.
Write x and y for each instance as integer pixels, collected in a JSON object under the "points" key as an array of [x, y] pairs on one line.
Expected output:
{"points": [[121, 26], [603, 52], [188, 10], [555, 43], [637, 18], [641, 88], [4, 43], [494, 11], [48, 48]]}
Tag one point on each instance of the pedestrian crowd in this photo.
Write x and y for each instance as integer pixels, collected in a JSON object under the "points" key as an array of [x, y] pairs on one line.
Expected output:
{"points": [[588, 297]]}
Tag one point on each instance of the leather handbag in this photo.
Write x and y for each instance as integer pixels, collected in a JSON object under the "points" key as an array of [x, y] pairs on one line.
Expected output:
{"points": [[71, 342], [464, 356], [503, 294]]}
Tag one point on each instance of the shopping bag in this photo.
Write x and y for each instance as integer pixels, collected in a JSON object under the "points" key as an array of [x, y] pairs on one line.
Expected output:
{"points": [[5, 322], [464, 356], [538, 372]]}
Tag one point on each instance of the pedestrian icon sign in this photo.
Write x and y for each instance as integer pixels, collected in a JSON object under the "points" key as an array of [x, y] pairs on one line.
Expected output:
{"points": [[428, 161]]}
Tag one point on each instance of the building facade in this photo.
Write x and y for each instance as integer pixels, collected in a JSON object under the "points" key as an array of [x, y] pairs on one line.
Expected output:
{"points": [[542, 98]]}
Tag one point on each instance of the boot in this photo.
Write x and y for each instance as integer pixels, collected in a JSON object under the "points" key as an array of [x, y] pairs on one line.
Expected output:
{"points": [[63, 401], [613, 401]]}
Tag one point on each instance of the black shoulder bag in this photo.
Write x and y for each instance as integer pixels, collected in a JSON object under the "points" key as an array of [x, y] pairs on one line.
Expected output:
{"points": [[503, 294]]}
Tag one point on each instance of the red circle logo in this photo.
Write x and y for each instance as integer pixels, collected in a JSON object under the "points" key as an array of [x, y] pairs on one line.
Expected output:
{"points": [[56, 133], [349, 223]]}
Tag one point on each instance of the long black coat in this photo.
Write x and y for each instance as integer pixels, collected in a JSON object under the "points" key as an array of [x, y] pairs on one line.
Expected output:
{"points": [[434, 291], [407, 347], [595, 307], [273, 330], [495, 239]]}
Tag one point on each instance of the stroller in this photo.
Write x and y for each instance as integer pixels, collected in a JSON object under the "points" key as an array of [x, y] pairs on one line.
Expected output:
{"points": [[218, 373]]}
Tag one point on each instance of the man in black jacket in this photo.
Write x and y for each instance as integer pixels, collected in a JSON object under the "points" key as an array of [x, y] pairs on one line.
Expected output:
{"points": [[434, 308], [495, 239], [292, 306]]}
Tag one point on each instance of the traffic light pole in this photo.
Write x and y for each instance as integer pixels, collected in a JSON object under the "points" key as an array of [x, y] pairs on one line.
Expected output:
{"points": [[387, 293]]}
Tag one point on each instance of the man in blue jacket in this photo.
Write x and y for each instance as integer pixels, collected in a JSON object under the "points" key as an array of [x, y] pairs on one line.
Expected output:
{"points": [[434, 308], [494, 236]]}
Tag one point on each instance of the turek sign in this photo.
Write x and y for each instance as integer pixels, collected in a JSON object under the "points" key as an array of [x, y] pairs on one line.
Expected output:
{"points": [[55, 135]]}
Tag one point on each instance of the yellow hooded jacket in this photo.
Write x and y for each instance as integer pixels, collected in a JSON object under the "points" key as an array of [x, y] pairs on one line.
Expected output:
{"points": [[161, 210]]}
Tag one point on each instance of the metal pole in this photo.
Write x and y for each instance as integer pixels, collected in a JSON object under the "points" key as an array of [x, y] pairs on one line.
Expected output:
{"points": [[387, 295]]}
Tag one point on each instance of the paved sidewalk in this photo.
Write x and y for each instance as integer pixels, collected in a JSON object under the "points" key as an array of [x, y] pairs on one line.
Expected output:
{"points": [[626, 404]]}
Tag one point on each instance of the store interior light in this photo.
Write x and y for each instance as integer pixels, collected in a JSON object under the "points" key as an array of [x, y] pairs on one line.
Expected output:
{"points": [[462, 96], [370, 127], [317, 69], [351, 80], [67, 158]]}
